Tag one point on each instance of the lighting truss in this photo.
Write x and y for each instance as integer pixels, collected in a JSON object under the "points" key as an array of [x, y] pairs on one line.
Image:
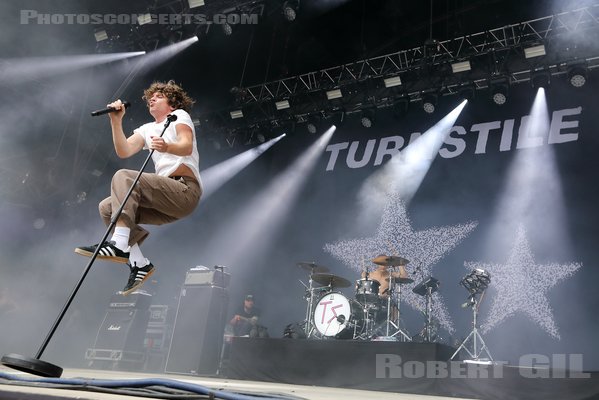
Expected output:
{"points": [[149, 37], [502, 44], [494, 55]]}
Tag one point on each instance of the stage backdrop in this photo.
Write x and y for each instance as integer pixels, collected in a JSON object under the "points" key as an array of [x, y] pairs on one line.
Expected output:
{"points": [[510, 191]]}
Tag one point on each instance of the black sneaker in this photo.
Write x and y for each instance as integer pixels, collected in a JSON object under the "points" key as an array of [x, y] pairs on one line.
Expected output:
{"points": [[108, 251], [137, 277]]}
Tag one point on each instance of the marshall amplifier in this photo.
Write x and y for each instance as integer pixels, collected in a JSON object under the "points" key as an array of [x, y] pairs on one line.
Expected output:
{"points": [[123, 330]]}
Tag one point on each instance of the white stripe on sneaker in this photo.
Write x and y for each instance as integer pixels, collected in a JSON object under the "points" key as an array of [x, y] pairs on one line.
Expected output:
{"points": [[107, 252], [140, 275]]}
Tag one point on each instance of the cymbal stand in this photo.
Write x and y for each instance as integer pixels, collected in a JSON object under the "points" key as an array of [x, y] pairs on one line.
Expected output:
{"points": [[396, 324], [429, 313], [309, 309], [476, 351]]}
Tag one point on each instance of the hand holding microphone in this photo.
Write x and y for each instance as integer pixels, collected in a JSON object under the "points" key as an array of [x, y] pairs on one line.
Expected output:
{"points": [[114, 107]]}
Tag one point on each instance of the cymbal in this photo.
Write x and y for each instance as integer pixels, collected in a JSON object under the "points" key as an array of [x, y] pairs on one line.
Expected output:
{"points": [[390, 260], [333, 280], [312, 267]]}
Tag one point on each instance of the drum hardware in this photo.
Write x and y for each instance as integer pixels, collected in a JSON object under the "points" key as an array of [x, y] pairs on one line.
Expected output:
{"points": [[392, 319], [426, 288], [312, 268], [475, 283], [395, 290]]}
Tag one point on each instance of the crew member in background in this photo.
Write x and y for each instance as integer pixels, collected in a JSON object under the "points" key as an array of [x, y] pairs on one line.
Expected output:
{"points": [[245, 322]]}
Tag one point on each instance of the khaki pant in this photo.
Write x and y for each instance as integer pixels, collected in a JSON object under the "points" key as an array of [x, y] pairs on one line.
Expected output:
{"points": [[155, 200]]}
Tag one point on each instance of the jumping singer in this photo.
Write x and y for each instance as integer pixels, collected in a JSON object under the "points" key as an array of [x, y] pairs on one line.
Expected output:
{"points": [[169, 194]]}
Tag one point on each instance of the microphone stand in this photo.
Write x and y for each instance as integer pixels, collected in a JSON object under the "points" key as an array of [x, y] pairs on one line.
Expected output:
{"points": [[36, 366]]}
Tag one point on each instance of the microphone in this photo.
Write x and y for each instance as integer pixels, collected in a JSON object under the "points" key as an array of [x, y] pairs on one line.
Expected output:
{"points": [[107, 110], [171, 117]]}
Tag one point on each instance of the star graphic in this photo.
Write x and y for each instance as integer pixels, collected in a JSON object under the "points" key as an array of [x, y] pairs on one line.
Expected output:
{"points": [[423, 249], [522, 286]]}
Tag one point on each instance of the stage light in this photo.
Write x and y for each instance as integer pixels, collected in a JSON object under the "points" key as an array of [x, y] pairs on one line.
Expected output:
{"points": [[334, 94], [400, 107], [462, 66], [227, 29], [429, 102], [195, 3], [101, 35], [367, 118], [540, 79], [144, 19], [534, 51], [236, 114], [577, 76], [290, 10], [393, 81], [314, 124], [466, 92], [499, 94], [282, 105]]}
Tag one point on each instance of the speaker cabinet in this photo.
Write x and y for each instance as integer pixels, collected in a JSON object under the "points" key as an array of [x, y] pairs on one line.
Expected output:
{"points": [[123, 329], [198, 332]]}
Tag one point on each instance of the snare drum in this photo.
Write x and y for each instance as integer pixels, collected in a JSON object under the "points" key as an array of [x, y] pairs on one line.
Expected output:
{"points": [[337, 316], [367, 291]]}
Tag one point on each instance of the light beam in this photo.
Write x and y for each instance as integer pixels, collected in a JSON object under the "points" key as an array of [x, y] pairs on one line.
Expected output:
{"points": [[255, 226], [217, 175], [404, 173], [17, 70]]}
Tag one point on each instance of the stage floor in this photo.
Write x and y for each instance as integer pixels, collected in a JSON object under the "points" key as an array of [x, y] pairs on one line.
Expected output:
{"points": [[319, 369], [275, 390]]}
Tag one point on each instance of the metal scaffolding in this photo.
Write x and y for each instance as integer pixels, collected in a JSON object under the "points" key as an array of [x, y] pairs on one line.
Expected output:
{"points": [[496, 57], [500, 44]]}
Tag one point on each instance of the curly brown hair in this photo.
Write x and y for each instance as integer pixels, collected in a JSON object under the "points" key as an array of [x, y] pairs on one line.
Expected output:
{"points": [[175, 94]]}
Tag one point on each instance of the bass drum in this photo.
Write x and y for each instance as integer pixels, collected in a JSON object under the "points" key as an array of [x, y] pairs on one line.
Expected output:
{"points": [[336, 316]]}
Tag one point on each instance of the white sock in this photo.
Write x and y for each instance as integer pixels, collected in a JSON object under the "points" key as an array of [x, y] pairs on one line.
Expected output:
{"points": [[136, 258], [121, 237]]}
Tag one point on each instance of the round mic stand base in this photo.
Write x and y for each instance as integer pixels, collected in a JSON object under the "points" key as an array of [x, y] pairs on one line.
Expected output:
{"points": [[31, 365]]}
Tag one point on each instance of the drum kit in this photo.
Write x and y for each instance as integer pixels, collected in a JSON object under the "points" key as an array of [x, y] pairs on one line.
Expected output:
{"points": [[332, 315], [374, 313]]}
